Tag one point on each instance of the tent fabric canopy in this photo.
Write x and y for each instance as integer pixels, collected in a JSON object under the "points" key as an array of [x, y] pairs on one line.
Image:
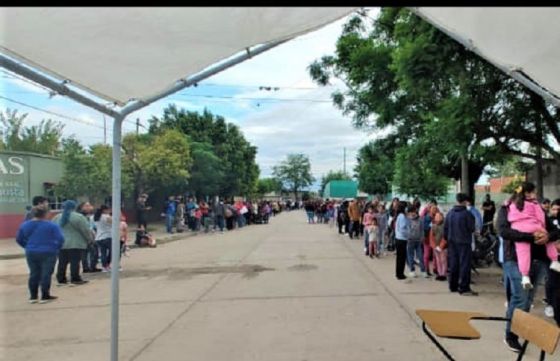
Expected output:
{"points": [[121, 54], [519, 40]]}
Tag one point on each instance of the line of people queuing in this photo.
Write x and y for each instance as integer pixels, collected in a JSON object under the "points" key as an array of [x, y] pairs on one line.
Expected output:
{"points": [[79, 238], [443, 244], [183, 213]]}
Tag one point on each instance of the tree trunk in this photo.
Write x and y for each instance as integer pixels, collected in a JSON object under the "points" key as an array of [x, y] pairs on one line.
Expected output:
{"points": [[465, 175]]}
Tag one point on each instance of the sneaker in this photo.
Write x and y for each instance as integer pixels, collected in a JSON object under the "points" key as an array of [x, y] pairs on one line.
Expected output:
{"points": [[555, 266], [513, 344], [61, 284], [96, 270], [47, 299], [549, 311], [526, 283], [412, 274], [425, 274], [33, 300], [506, 304], [106, 269]]}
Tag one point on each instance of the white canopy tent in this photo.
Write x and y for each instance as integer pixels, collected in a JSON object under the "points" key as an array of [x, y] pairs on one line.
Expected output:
{"points": [[132, 57], [524, 42]]}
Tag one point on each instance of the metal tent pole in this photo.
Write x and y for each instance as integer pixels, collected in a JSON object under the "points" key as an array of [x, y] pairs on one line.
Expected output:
{"points": [[115, 236]]}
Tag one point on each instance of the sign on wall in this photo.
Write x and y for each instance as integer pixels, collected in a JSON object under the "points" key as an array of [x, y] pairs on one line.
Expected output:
{"points": [[14, 179]]}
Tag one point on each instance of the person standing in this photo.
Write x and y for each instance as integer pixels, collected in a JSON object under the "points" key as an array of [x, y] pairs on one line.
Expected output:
{"points": [[458, 230], [488, 212], [439, 246], [517, 296], [402, 229], [414, 248], [169, 210], [89, 260], [141, 210], [42, 241], [355, 215], [37, 202], [367, 222], [219, 210], [103, 236], [382, 228], [77, 235]]}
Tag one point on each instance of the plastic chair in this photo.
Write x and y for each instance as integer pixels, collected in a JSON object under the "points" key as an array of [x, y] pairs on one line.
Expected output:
{"points": [[455, 325]]}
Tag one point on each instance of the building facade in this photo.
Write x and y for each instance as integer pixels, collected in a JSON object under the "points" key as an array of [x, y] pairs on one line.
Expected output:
{"points": [[23, 176]]}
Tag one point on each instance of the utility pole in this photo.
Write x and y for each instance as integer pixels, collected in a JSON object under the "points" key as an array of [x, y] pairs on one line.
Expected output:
{"points": [[104, 130], [344, 160]]}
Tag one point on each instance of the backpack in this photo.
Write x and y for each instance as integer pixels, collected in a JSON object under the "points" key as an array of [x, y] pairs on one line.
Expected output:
{"points": [[415, 233]]}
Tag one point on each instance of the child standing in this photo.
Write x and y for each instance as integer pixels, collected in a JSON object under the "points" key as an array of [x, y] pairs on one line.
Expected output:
{"points": [[439, 246], [526, 215], [414, 246], [367, 221], [373, 234]]}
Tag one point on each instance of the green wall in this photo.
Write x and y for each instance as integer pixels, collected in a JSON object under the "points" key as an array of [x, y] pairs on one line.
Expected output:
{"points": [[22, 176]]}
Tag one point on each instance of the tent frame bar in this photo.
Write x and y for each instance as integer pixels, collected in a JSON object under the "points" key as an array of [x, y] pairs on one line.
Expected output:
{"points": [[515, 73], [118, 118]]}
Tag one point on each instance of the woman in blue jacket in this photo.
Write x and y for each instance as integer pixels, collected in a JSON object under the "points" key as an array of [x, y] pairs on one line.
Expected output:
{"points": [[42, 240]]}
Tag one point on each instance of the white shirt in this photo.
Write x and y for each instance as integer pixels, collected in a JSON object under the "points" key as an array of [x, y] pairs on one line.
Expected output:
{"points": [[103, 227]]}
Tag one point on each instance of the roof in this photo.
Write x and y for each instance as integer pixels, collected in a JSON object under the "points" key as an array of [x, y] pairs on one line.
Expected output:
{"points": [[521, 41], [133, 53]]}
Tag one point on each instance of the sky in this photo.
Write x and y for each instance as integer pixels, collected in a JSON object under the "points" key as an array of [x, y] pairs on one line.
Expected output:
{"points": [[305, 122]]}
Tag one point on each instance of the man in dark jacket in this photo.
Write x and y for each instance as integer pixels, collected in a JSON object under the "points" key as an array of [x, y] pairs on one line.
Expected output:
{"points": [[518, 297], [458, 230]]}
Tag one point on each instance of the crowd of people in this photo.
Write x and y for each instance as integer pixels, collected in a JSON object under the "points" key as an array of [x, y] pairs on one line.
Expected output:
{"points": [[442, 244], [186, 214], [80, 236]]}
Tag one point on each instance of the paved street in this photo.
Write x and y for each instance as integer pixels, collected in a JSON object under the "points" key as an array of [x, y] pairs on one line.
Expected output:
{"points": [[286, 291]]}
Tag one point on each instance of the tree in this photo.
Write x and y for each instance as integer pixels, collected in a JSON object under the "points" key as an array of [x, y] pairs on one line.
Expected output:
{"points": [[207, 171], [268, 185], [44, 138], [469, 109], [333, 175], [375, 167], [166, 161], [88, 173], [229, 145], [294, 172]]}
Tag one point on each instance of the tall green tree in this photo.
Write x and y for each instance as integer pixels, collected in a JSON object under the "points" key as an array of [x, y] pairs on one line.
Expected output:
{"points": [[375, 167], [207, 171], [294, 172], [406, 76], [333, 175], [235, 152], [44, 138]]}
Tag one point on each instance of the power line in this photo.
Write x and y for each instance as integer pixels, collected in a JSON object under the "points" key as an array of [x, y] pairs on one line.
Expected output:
{"points": [[15, 76], [259, 99], [51, 112]]}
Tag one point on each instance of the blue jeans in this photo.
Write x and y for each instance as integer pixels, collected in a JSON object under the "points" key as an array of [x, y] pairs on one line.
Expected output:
{"points": [[41, 268], [310, 217], [105, 251], [380, 239], [415, 248], [519, 297], [169, 218], [240, 220], [91, 256], [366, 242]]}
